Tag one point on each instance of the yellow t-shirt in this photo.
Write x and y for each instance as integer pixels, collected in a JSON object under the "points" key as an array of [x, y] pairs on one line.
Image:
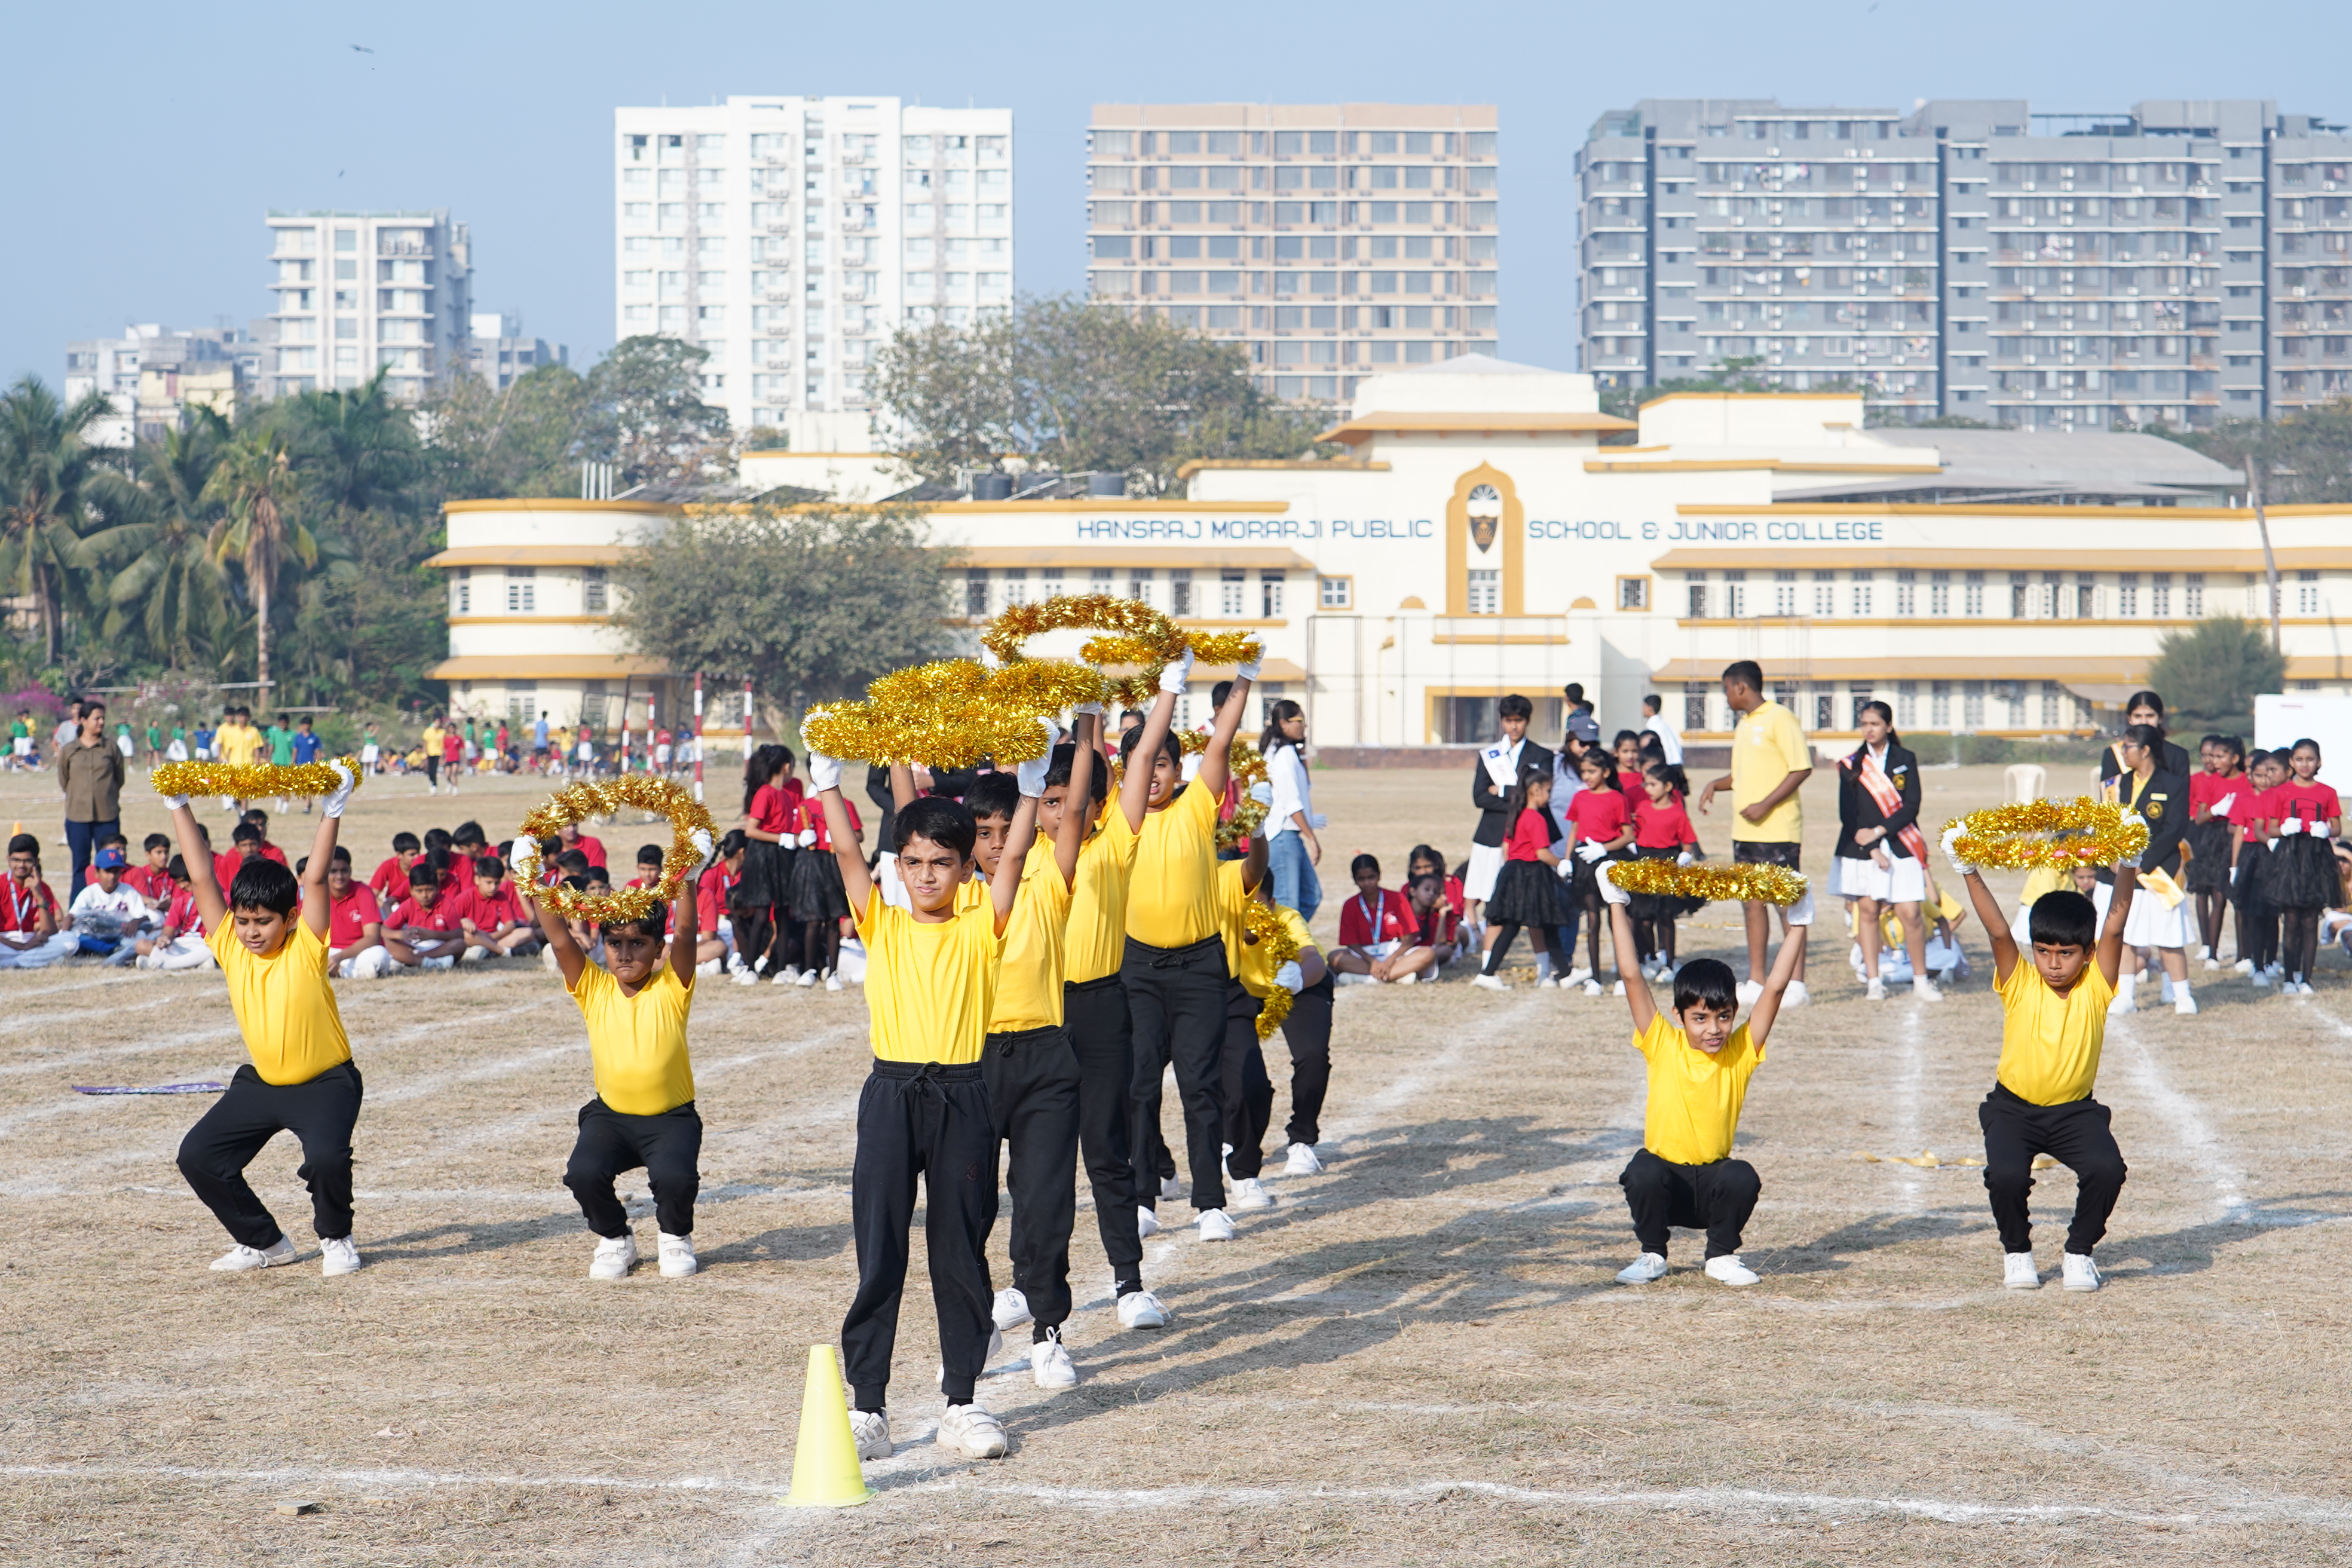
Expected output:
{"points": [[637, 1043], [1029, 983], [283, 1004], [1094, 941], [929, 988], [1171, 893], [240, 744], [1768, 747], [1695, 1098], [2049, 1044], [1256, 970], [430, 739]]}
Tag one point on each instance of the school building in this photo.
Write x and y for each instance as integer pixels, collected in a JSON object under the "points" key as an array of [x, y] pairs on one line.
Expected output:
{"points": [[1488, 530]]}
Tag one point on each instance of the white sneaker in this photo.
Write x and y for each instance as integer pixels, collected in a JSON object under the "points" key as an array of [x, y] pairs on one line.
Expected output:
{"points": [[338, 1256], [2212, 963], [614, 1255], [1147, 1223], [2080, 1273], [2243, 966], [1303, 1162], [786, 977], [2185, 1003], [2122, 1005], [1877, 990], [1620, 991], [2018, 1273], [2206, 953], [970, 1433], [240, 1258], [709, 966], [1171, 1190], [808, 977], [1728, 1270], [1796, 995], [872, 1430], [1925, 989], [1010, 1311], [1215, 1225], [746, 976], [1575, 977], [1642, 1269], [1490, 983], [1746, 990], [1049, 1363], [2262, 978], [676, 1254], [1591, 988], [1141, 1310], [1249, 1193], [832, 981]]}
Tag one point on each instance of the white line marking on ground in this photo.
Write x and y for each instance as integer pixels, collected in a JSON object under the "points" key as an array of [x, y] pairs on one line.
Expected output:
{"points": [[1910, 1068], [2201, 1143]]}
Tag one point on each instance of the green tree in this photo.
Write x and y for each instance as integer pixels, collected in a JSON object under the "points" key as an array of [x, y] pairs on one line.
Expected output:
{"points": [[1080, 387], [353, 450], [49, 471], [166, 592], [644, 412], [2210, 674], [2304, 457], [255, 484], [481, 444], [811, 603]]}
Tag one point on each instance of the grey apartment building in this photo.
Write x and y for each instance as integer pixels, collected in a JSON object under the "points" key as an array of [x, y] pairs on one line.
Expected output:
{"points": [[2181, 263], [1329, 241]]}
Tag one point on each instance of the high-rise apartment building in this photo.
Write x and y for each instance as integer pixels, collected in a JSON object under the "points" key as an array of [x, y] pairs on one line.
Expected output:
{"points": [[790, 236], [153, 374], [1330, 240], [360, 292], [2181, 263], [499, 353]]}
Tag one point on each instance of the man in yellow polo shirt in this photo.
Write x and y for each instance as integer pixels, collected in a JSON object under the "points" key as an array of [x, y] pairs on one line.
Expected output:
{"points": [[1770, 762]]}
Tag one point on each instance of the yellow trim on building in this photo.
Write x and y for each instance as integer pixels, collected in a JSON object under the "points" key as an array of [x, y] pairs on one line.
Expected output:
{"points": [[531, 555], [1742, 465], [543, 503], [1191, 465], [548, 667]]}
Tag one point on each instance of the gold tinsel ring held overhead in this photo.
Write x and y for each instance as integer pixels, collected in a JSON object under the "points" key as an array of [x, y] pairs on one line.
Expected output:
{"points": [[235, 780], [1135, 634], [2014, 838], [578, 803], [1746, 884], [950, 713]]}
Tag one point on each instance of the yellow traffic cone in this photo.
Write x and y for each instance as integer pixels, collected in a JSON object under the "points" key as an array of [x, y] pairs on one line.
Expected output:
{"points": [[825, 1461]]}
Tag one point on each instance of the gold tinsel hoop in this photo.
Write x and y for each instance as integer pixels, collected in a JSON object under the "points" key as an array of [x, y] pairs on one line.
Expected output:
{"points": [[1267, 930], [950, 713], [235, 780], [2012, 837], [579, 802], [1133, 633], [1751, 884]]}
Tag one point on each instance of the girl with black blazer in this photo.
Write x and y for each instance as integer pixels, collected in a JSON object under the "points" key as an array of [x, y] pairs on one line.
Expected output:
{"points": [[1880, 850]]}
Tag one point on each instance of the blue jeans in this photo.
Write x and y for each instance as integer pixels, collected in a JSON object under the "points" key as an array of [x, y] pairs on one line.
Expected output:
{"points": [[1295, 883], [83, 838]]}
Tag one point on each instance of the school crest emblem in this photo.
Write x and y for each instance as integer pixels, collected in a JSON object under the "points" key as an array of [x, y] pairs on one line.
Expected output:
{"points": [[2153, 810], [1484, 511]]}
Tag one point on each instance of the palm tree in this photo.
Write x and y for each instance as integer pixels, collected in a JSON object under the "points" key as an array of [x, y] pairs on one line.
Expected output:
{"points": [[169, 589], [48, 464], [254, 481], [357, 447]]}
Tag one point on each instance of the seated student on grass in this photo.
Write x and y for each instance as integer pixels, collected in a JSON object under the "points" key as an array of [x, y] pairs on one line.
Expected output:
{"points": [[423, 932], [355, 949], [180, 944], [269, 937], [2054, 1023], [491, 914], [107, 915], [32, 934], [1378, 932], [634, 1002], [716, 950], [153, 879], [1700, 1067], [389, 882]]}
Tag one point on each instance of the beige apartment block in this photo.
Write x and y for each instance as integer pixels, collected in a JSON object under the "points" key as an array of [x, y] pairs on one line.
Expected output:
{"points": [[1330, 241]]}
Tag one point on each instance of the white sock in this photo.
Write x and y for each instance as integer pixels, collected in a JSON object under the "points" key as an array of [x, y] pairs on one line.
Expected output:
{"points": [[2180, 991], [2125, 986]]}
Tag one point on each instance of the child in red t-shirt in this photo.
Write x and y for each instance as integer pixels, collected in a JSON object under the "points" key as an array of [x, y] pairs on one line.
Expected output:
{"points": [[1601, 821], [2258, 917], [1628, 749], [1440, 926], [422, 931], [2213, 794], [1377, 933], [2303, 816], [716, 946], [1527, 889], [1661, 831], [390, 881], [490, 914]]}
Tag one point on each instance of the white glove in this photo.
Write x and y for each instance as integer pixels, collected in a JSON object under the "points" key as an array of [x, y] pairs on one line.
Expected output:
{"points": [[1686, 859], [825, 773], [805, 838], [340, 795], [1176, 674], [1952, 837], [1290, 977], [2132, 820], [1566, 868], [705, 846], [1250, 671], [1800, 913], [1030, 776], [1605, 880], [2293, 824], [1085, 710], [988, 659], [2221, 807], [176, 801], [1591, 850]]}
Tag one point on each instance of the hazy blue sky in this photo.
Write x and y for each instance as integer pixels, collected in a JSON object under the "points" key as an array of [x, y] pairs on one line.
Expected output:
{"points": [[151, 138]]}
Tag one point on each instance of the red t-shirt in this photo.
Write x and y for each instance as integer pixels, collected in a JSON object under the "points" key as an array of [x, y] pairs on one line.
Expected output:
{"points": [[271, 852], [225, 869], [1383, 917], [182, 916], [1664, 827], [347, 914], [776, 810], [2313, 801], [21, 907], [390, 883], [410, 916], [812, 820], [1598, 813], [2257, 811], [1530, 836], [501, 907], [591, 848], [1630, 784], [152, 883], [1436, 928], [711, 897], [453, 745]]}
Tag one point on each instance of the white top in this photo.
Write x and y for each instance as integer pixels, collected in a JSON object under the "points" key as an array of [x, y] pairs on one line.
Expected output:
{"points": [[1285, 770], [1669, 738], [120, 909]]}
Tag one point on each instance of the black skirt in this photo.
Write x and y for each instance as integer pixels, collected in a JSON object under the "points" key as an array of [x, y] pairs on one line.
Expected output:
{"points": [[2303, 875], [766, 869], [1660, 906], [817, 891], [1527, 893], [2250, 884], [2208, 851]]}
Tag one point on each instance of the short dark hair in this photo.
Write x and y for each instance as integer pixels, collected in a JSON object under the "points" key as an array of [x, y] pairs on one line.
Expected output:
{"points": [[265, 885], [421, 875], [24, 843], [177, 869], [574, 862], [1652, 700], [649, 854], [2062, 918], [1515, 706], [1217, 695], [1361, 864], [733, 843], [247, 833], [155, 841], [1707, 982], [1065, 762], [114, 838], [653, 923], [437, 839], [489, 865], [342, 857], [1132, 739], [1746, 672], [468, 833], [946, 823], [405, 843], [993, 794]]}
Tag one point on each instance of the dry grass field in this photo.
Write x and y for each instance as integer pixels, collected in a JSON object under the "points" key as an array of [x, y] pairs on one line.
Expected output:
{"points": [[1418, 1357]]}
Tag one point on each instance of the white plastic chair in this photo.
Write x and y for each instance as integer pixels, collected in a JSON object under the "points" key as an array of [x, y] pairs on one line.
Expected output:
{"points": [[2026, 781]]}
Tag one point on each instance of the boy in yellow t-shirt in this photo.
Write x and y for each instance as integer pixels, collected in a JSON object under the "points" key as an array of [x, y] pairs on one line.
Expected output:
{"points": [[2054, 1023], [635, 1005], [1248, 1088], [1699, 1067], [931, 986], [301, 1078]]}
